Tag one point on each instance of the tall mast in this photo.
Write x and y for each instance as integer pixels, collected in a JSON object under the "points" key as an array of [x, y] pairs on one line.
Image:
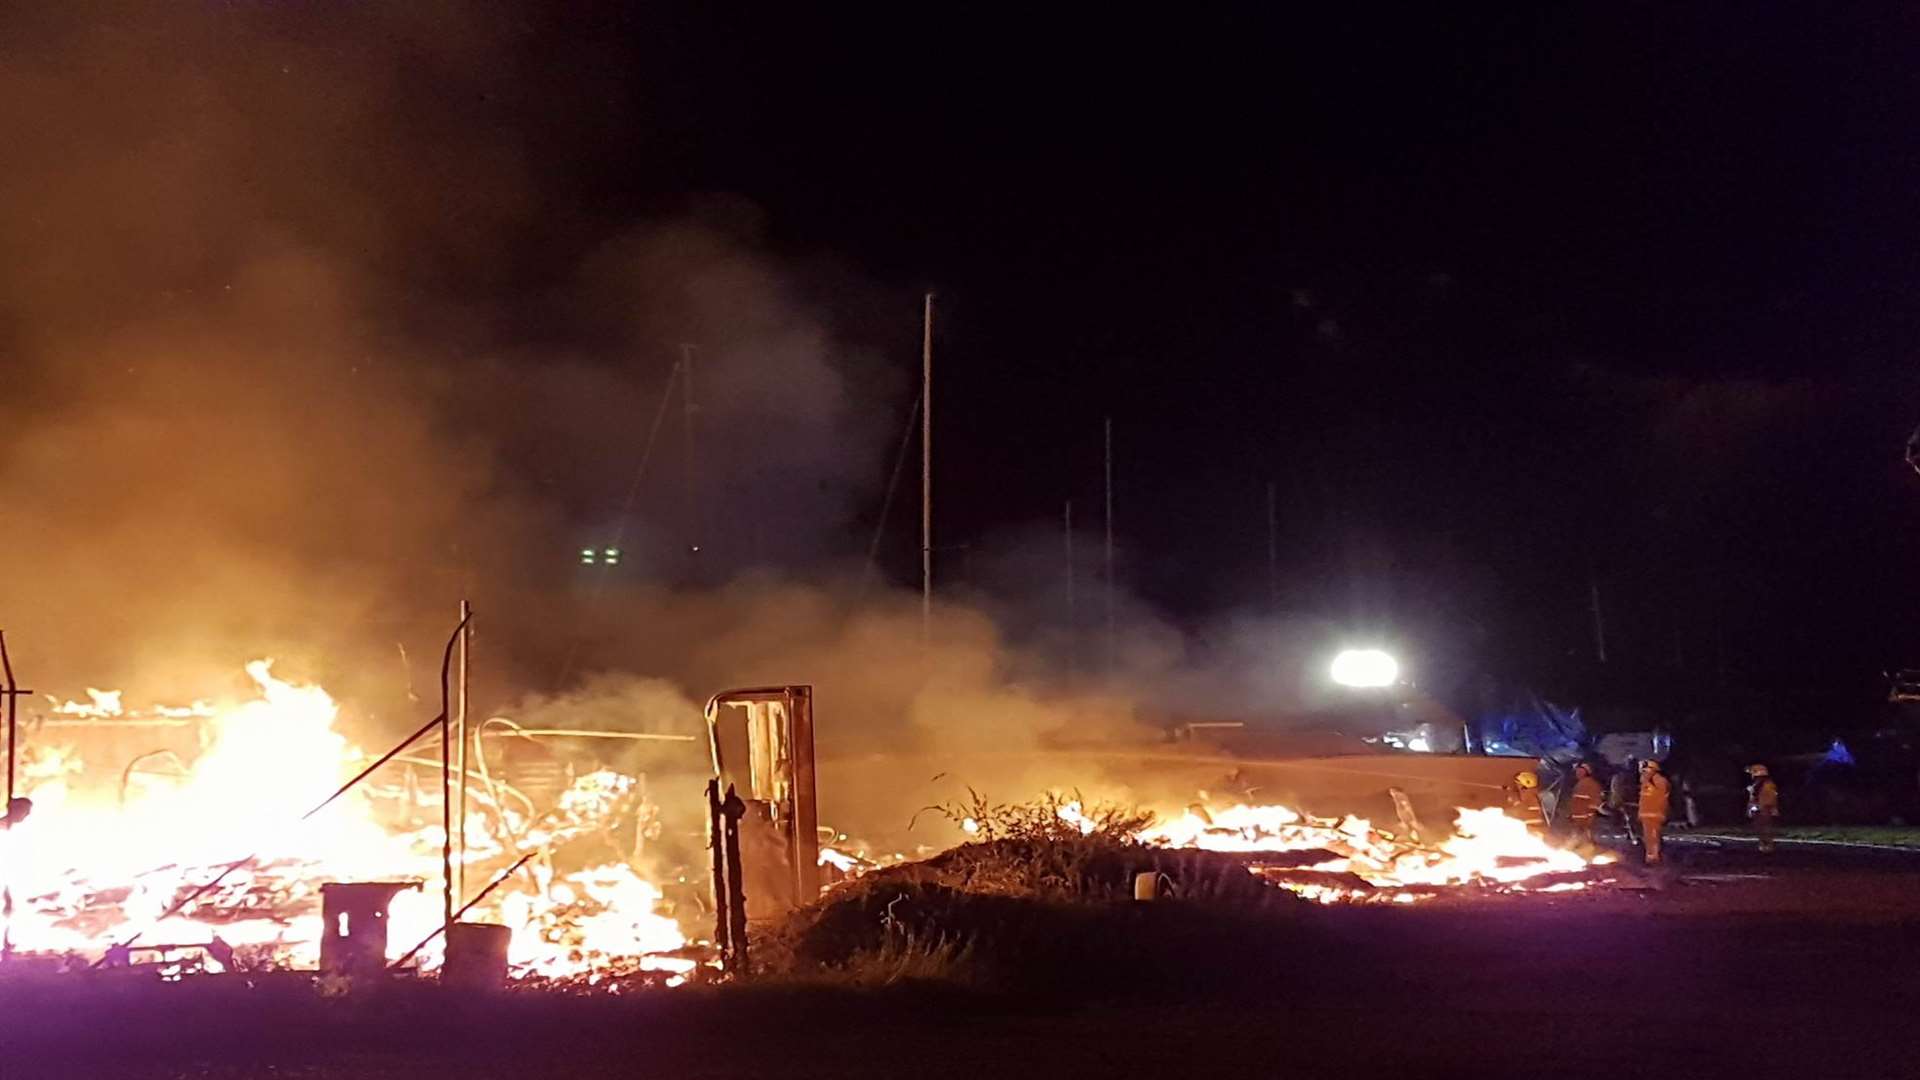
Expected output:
{"points": [[1273, 550], [694, 525], [1073, 621], [926, 471], [1110, 582]]}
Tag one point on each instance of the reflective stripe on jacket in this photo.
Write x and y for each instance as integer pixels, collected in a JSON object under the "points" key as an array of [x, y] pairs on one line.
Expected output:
{"points": [[1524, 803], [1585, 800]]}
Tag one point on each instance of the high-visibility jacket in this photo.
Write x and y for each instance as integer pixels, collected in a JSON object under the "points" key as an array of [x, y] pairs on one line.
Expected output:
{"points": [[1763, 798], [1524, 803], [1585, 800], [1654, 796]]}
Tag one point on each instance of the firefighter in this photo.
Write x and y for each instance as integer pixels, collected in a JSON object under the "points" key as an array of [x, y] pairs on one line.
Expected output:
{"points": [[1763, 804], [1620, 798], [1583, 803], [1654, 795], [1523, 801]]}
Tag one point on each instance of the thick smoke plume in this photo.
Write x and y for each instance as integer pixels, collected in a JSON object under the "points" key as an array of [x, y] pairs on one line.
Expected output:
{"points": [[276, 384], [283, 383], [309, 334]]}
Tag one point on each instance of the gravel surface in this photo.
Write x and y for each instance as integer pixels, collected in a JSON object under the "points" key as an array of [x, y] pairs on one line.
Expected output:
{"points": [[1726, 963]]}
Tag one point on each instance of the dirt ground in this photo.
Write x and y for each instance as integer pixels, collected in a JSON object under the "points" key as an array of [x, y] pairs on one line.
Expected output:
{"points": [[1729, 964]]}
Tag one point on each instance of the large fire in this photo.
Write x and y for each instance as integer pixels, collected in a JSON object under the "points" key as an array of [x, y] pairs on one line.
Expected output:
{"points": [[86, 872], [1487, 847]]}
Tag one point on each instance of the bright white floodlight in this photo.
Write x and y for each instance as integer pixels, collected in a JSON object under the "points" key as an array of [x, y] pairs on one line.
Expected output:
{"points": [[1365, 669]]}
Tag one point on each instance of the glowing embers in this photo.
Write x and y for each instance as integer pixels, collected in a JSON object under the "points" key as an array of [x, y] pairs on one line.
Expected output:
{"points": [[112, 849], [1487, 848]]}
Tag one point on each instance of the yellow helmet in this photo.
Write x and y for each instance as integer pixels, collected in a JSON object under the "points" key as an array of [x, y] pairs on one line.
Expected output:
{"points": [[1756, 770], [1526, 780]]}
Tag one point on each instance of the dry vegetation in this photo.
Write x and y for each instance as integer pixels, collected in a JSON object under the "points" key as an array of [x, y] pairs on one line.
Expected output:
{"points": [[1036, 900]]}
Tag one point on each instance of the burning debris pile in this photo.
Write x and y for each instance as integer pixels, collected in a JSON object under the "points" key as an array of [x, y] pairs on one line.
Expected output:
{"points": [[1329, 859], [1039, 890], [1349, 860], [1326, 859], [1033, 898], [202, 854]]}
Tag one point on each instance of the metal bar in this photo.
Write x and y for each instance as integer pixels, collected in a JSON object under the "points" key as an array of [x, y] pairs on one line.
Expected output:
{"points": [[578, 734], [13, 742], [479, 896], [117, 721], [13, 693], [446, 773], [460, 759]]}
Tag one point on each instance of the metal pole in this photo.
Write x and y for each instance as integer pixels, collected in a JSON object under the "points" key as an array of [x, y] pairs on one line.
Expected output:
{"points": [[926, 472], [446, 785], [694, 525], [13, 693], [1273, 550], [1599, 625], [1110, 583], [1073, 622], [460, 761]]}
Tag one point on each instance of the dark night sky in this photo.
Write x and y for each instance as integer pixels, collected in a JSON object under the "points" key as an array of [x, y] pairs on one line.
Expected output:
{"points": [[1504, 303], [1498, 301]]}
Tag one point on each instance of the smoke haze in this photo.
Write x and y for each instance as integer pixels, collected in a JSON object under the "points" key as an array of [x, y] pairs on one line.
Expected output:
{"points": [[283, 383]]}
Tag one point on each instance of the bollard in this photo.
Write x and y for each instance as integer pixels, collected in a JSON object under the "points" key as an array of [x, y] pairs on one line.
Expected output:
{"points": [[476, 956], [1146, 885]]}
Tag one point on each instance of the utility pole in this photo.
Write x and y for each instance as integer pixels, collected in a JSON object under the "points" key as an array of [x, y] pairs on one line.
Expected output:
{"points": [[926, 473], [1110, 582], [694, 524]]}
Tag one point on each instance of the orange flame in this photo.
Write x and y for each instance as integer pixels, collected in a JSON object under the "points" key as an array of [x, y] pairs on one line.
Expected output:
{"points": [[87, 872]]}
